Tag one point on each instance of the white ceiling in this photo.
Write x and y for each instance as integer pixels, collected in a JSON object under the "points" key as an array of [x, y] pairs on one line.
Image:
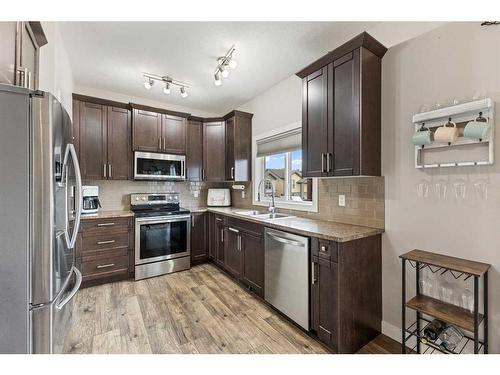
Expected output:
{"points": [[111, 56]]}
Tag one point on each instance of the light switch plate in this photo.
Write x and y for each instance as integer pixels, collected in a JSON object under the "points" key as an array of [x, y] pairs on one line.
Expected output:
{"points": [[342, 200]]}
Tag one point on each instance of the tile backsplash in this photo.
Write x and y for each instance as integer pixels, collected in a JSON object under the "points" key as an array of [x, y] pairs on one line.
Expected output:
{"points": [[115, 195], [364, 197], [364, 201]]}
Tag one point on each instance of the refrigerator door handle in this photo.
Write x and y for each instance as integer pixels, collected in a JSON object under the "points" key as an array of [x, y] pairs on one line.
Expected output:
{"points": [[78, 282], [70, 149]]}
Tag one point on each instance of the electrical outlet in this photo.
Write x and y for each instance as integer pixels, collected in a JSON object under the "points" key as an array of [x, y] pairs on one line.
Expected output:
{"points": [[342, 200]]}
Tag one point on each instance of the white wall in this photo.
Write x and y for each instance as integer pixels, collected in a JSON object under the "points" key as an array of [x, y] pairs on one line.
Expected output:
{"points": [[111, 95], [279, 106], [55, 69], [450, 62]]}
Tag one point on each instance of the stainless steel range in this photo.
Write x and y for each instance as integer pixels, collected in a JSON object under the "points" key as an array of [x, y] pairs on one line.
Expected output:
{"points": [[162, 234]]}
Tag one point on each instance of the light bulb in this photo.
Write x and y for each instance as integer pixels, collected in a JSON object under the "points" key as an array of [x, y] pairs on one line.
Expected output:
{"points": [[225, 73], [148, 83], [184, 93], [233, 64], [166, 89], [217, 80]]}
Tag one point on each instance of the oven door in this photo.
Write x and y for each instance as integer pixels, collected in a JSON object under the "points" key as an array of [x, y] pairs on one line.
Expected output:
{"points": [[162, 238], [151, 166]]}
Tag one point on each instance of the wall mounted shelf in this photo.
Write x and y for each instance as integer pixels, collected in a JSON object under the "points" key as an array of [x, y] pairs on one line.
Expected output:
{"points": [[465, 151]]}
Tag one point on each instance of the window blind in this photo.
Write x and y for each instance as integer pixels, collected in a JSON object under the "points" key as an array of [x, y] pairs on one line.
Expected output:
{"points": [[279, 143]]}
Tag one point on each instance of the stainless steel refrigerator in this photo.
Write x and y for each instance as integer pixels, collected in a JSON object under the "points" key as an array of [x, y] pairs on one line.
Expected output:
{"points": [[40, 206]]}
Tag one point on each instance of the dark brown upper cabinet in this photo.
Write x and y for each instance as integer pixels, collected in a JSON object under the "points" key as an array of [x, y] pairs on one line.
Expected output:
{"points": [[238, 146], [146, 130], [214, 165], [19, 56], [158, 130], [102, 132], [194, 150], [341, 101]]}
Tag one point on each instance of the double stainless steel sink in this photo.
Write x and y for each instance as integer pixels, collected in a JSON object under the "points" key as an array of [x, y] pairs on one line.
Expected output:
{"points": [[263, 215]]}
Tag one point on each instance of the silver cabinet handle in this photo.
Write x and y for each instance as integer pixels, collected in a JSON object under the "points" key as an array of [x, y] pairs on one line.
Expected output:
{"points": [[322, 162], [202, 174], [328, 162], [313, 273], [164, 143], [285, 240], [104, 171], [105, 224], [192, 221], [218, 219], [233, 230], [109, 170], [105, 265], [159, 143], [222, 235], [239, 243], [78, 282], [105, 242], [232, 173], [323, 249]]}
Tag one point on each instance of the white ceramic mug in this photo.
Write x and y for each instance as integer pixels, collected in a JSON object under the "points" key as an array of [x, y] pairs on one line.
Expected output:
{"points": [[446, 134]]}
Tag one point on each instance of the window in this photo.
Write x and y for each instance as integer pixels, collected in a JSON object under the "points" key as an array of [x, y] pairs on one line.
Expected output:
{"points": [[279, 164]]}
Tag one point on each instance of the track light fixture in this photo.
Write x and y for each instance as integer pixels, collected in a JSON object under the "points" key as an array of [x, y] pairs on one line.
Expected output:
{"points": [[224, 64], [169, 82], [166, 89], [148, 83], [184, 93]]}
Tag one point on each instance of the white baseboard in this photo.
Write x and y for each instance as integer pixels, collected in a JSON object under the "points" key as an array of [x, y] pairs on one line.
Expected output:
{"points": [[391, 330]]}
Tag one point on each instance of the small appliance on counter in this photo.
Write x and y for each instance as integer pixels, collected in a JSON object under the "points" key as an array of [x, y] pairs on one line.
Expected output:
{"points": [[91, 203], [219, 198]]}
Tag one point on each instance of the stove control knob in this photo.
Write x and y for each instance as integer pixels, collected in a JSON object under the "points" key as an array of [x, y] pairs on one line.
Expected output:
{"points": [[136, 198], [169, 197], [143, 198]]}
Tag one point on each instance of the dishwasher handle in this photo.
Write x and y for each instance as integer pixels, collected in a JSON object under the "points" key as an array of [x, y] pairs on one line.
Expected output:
{"points": [[286, 240]]}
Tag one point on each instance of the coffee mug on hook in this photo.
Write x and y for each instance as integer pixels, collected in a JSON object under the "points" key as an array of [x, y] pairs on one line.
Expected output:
{"points": [[448, 133]]}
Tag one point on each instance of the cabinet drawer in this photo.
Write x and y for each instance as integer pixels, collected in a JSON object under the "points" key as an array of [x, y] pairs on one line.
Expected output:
{"points": [[105, 266], [246, 226], [324, 249], [105, 241], [102, 225]]}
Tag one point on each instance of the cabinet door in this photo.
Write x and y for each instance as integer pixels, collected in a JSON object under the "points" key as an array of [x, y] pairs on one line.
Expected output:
{"points": [[315, 123], [93, 141], [214, 165], [252, 270], [232, 251], [173, 134], [8, 31], [230, 139], [219, 239], [198, 237], [29, 56], [119, 147], [75, 131], [344, 149], [238, 148], [194, 151], [324, 297], [146, 130]]}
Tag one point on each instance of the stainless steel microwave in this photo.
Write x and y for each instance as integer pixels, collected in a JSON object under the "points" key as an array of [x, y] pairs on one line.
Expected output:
{"points": [[154, 166]]}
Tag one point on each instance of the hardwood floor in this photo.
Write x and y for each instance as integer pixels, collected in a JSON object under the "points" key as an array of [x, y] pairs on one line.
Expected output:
{"points": [[197, 311]]}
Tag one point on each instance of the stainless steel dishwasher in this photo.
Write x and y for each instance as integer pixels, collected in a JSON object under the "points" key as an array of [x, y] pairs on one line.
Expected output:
{"points": [[287, 274]]}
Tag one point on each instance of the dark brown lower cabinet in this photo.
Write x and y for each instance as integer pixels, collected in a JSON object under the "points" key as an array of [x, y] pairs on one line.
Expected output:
{"points": [[105, 250], [218, 240], [232, 251], [346, 292], [199, 250], [252, 266], [324, 300]]}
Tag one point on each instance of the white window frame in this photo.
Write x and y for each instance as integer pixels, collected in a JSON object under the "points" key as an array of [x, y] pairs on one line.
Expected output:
{"points": [[258, 172]]}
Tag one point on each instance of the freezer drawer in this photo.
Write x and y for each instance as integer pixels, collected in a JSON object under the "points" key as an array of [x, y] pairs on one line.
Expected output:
{"points": [[287, 274]]}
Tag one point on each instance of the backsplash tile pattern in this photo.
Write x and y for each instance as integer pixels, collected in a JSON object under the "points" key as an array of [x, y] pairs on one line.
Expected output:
{"points": [[364, 201], [364, 197]]}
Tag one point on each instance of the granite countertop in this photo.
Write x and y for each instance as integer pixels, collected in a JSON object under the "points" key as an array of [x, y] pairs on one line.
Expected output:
{"points": [[329, 230], [105, 214]]}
